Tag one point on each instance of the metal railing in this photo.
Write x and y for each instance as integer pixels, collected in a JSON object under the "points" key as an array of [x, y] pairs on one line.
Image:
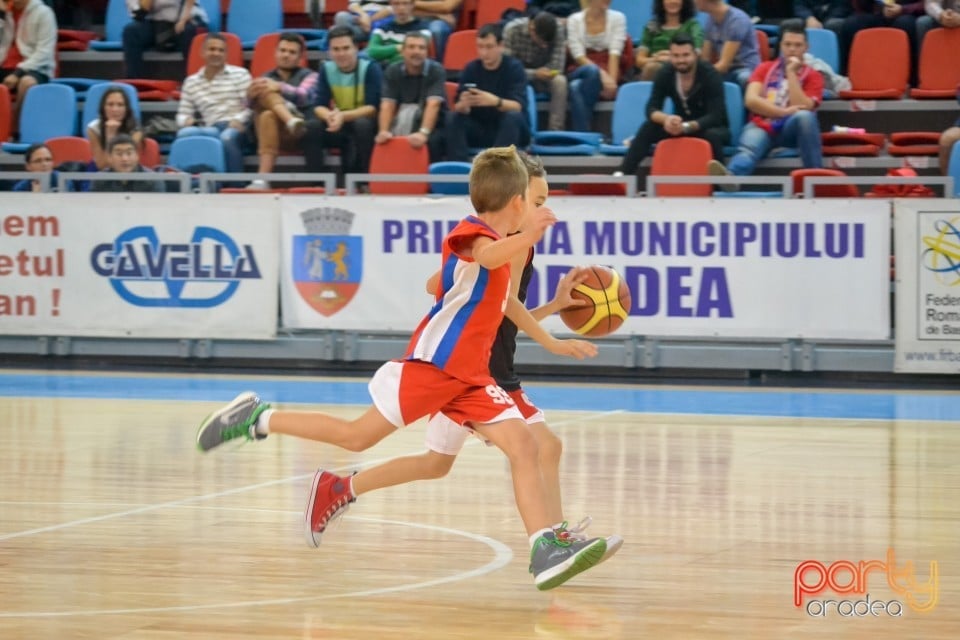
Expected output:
{"points": [[183, 179], [810, 182], [784, 182]]}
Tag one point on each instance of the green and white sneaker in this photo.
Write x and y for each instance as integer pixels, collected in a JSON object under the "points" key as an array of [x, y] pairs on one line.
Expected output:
{"points": [[554, 560], [614, 542], [235, 420]]}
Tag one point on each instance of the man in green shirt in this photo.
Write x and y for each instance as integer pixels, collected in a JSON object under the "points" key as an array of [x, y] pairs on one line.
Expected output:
{"points": [[387, 39]]}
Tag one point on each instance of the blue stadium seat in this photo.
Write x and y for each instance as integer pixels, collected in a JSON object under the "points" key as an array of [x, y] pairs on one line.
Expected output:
{"points": [[250, 19], [118, 15], [214, 17], [450, 168], [194, 151], [566, 143], [91, 104], [824, 45], [953, 168], [638, 14], [629, 114], [49, 111], [736, 114]]}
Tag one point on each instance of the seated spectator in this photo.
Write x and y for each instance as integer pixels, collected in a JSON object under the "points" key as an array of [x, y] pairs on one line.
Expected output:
{"points": [[276, 99], [540, 43], [730, 42], [115, 117], [386, 41], [899, 14], [213, 102], [669, 17], [28, 42], [940, 13], [161, 25], [38, 159], [124, 158], [347, 94], [491, 100], [696, 90], [822, 14], [782, 97], [360, 16], [766, 12], [414, 97], [441, 17], [559, 8], [947, 139], [596, 38]]}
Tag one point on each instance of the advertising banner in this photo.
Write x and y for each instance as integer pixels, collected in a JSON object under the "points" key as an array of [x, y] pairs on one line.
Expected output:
{"points": [[138, 265], [726, 268]]}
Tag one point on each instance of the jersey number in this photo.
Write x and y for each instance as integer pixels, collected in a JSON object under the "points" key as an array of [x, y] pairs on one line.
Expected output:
{"points": [[499, 395]]}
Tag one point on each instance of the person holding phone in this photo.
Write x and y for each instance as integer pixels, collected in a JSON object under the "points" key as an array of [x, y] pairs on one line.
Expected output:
{"points": [[491, 100]]}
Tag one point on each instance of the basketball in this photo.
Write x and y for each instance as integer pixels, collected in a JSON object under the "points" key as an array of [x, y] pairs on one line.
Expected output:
{"points": [[608, 302]]}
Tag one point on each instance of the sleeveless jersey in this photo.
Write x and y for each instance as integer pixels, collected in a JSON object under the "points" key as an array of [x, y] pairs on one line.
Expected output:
{"points": [[505, 346], [458, 332]]}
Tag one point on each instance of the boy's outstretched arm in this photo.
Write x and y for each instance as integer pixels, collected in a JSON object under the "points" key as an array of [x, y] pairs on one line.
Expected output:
{"points": [[573, 348], [563, 299], [491, 254]]}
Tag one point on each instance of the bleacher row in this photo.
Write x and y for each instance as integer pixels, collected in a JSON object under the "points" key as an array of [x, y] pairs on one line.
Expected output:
{"points": [[877, 103]]}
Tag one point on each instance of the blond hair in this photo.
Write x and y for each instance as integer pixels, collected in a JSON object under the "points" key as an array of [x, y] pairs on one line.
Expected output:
{"points": [[498, 174]]}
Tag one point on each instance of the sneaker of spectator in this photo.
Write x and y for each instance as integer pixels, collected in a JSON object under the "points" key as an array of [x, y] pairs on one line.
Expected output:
{"points": [[277, 99], [540, 43], [213, 102], [28, 41]]}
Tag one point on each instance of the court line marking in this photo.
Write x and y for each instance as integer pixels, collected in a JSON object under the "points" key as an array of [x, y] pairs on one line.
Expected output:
{"points": [[502, 556], [228, 492]]}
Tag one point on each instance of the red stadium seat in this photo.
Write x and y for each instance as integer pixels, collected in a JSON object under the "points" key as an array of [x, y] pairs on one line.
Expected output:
{"points": [[461, 49], [939, 71], [823, 190], [6, 113], [491, 10], [682, 157], [397, 156], [69, 149], [879, 66], [264, 55]]}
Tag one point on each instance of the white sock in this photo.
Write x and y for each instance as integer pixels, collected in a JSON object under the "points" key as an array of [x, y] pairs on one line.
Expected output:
{"points": [[263, 423], [537, 534]]}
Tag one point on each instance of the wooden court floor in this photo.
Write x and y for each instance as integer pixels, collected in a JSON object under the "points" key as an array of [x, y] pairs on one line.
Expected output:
{"points": [[113, 526]]}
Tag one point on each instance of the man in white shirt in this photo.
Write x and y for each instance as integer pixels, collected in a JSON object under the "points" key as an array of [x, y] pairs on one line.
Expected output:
{"points": [[213, 102]]}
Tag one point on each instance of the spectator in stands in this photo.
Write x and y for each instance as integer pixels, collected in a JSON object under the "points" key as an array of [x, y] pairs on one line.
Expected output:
{"points": [[348, 93], [696, 90], [540, 43], [28, 42], [596, 39], [387, 40], [441, 17], [277, 99], [115, 116], [39, 159], [217, 94], [947, 139], [414, 98], [822, 14], [899, 14], [669, 17], [124, 158], [491, 100], [360, 17], [766, 12], [940, 13], [730, 42], [161, 25], [782, 97], [559, 8]]}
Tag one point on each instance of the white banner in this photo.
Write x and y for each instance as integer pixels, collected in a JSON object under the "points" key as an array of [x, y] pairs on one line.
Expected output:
{"points": [[733, 268], [928, 286], [138, 265]]}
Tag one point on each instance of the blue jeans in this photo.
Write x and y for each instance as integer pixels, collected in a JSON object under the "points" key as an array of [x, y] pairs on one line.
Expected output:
{"points": [[801, 131], [231, 138], [739, 76], [439, 31], [582, 95]]}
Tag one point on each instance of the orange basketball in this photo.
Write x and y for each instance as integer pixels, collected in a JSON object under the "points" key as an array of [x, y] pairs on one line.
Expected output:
{"points": [[608, 303]]}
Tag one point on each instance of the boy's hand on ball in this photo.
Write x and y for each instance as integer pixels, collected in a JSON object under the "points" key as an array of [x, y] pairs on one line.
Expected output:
{"points": [[573, 348], [564, 295]]}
